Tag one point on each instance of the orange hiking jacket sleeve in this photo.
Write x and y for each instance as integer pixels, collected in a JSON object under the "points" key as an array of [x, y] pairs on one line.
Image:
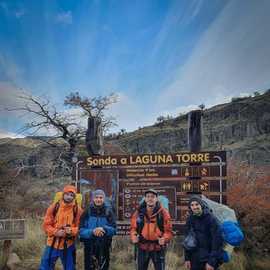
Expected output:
{"points": [[167, 226], [49, 224]]}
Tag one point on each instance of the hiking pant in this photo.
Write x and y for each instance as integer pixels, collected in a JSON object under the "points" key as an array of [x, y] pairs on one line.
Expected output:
{"points": [[157, 257], [96, 255], [50, 256]]}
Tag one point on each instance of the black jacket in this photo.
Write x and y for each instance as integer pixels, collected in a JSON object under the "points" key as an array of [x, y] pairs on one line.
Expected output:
{"points": [[209, 239]]}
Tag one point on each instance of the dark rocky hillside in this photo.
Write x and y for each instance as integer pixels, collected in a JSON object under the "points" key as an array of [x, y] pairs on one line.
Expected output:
{"points": [[242, 127]]}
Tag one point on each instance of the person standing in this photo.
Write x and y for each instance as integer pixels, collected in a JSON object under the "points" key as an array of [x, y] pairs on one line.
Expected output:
{"points": [[61, 224], [97, 227], [151, 231], [208, 252]]}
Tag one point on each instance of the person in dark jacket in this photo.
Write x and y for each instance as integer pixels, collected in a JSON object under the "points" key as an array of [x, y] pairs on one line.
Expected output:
{"points": [[208, 252], [97, 227]]}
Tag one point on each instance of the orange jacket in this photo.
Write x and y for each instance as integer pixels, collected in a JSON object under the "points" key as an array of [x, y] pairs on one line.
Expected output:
{"points": [[150, 229], [64, 217]]}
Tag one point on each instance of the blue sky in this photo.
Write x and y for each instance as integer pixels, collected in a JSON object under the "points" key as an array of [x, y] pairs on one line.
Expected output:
{"points": [[161, 57]]}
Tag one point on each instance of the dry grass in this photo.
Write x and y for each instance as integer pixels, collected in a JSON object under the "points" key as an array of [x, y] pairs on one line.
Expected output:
{"points": [[122, 256]]}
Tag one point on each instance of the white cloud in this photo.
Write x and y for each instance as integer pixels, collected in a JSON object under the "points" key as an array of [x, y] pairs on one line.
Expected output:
{"points": [[176, 17], [11, 70], [196, 8], [129, 114], [179, 110], [20, 13], [4, 6], [7, 134], [64, 17], [232, 56], [9, 95]]}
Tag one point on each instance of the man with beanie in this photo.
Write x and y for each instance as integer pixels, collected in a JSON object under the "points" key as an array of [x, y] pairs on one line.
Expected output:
{"points": [[61, 224], [97, 227], [208, 252], [151, 230]]}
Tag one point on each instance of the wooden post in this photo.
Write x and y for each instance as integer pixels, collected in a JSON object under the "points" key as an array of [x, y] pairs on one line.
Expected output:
{"points": [[195, 143], [94, 138], [194, 131], [6, 252]]}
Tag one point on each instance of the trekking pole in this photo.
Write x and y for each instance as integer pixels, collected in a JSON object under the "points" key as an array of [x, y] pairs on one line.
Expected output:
{"points": [[135, 251], [136, 255], [162, 257], [102, 261], [65, 253]]}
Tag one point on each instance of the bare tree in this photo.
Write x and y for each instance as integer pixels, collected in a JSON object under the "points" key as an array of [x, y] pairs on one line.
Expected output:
{"points": [[94, 107], [43, 115], [202, 106]]}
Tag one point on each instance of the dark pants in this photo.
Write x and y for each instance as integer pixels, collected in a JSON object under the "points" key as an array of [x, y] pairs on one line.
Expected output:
{"points": [[157, 257], [96, 255]]}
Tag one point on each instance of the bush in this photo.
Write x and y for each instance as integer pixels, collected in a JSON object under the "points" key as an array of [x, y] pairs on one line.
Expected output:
{"points": [[248, 193]]}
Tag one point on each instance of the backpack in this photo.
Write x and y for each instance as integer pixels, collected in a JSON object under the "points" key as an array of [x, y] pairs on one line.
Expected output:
{"points": [[232, 236], [231, 231], [164, 202]]}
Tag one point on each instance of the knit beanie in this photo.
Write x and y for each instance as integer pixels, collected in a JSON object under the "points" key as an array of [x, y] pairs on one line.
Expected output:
{"points": [[99, 192]]}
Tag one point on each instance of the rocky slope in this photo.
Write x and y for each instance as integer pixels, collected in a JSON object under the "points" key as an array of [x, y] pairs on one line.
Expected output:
{"points": [[241, 127]]}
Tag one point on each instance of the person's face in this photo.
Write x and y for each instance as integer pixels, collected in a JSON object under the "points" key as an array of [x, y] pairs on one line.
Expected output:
{"points": [[196, 208], [68, 197], [98, 200], [151, 199]]}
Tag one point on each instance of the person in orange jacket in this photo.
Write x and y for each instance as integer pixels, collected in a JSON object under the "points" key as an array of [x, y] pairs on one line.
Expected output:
{"points": [[151, 230], [61, 224]]}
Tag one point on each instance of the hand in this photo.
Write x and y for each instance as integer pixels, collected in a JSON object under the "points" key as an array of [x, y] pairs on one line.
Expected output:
{"points": [[161, 241], [188, 264], [135, 240], [60, 233], [99, 232], [208, 267], [68, 230]]}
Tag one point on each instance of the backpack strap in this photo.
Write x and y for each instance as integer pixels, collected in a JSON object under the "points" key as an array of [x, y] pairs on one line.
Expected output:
{"points": [[140, 221], [55, 209], [160, 221], [75, 212]]}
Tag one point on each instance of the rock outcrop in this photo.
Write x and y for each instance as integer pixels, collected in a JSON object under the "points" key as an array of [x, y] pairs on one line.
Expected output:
{"points": [[241, 127]]}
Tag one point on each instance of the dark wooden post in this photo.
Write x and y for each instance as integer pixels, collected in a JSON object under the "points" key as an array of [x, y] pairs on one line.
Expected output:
{"points": [[195, 142], [195, 131], [6, 251], [94, 138]]}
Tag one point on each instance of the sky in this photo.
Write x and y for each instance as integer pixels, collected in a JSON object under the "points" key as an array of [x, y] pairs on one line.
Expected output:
{"points": [[159, 56]]}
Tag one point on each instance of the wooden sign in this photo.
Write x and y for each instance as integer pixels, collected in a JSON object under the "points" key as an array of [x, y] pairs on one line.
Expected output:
{"points": [[153, 159], [12, 229], [125, 178]]}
